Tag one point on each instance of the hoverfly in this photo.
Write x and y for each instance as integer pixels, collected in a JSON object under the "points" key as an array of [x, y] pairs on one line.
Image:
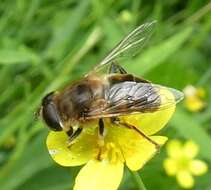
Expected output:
{"points": [[98, 97]]}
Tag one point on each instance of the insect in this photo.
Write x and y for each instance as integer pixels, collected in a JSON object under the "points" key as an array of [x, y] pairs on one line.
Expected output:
{"points": [[98, 97]]}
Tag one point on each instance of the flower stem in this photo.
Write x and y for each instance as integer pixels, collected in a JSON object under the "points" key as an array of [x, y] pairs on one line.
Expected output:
{"points": [[138, 180]]}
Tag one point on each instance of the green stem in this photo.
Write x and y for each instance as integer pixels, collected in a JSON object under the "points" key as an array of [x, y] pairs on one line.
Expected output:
{"points": [[138, 180]]}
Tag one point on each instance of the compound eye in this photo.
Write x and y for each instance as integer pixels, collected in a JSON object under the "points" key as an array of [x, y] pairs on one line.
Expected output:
{"points": [[51, 117]]}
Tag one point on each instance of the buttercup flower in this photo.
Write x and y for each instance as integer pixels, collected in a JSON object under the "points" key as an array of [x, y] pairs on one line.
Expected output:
{"points": [[182, 163], [104, 162], [194, 98]]}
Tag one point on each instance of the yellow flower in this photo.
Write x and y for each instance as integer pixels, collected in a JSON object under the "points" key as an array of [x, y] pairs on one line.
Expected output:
{"points": [[182, 163], [125, 16], [194, 98], [104, 164]]}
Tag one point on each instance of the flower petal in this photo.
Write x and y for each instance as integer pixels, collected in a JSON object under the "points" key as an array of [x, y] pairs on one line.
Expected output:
{"points": [[101, 175], [150, 123], [135, 149], [140, 151], [198, 167], [79, 153], [185, 179], [190, 149], [194, 103], [174, 149], [170, 166]]}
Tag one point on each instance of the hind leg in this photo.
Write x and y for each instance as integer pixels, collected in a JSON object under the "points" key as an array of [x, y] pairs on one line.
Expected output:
{"points": [[115, 68], [116, 121]]}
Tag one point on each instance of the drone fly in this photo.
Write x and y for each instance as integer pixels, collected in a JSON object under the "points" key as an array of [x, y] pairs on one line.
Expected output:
{"points": [[97, 97]]}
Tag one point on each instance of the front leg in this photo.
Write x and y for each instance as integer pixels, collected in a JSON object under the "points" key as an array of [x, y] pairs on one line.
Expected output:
{"points": [[73, 135]]}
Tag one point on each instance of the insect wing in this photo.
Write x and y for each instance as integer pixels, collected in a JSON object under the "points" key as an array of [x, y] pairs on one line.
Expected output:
{"points": [[135, 98], [130, 45]]}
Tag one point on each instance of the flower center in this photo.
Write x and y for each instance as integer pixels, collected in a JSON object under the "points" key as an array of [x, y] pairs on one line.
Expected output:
{"points": [[111, 153], [183, 163]]}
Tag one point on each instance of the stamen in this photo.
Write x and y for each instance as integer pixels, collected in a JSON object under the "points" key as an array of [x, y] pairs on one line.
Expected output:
{"points": [[111, 153]]}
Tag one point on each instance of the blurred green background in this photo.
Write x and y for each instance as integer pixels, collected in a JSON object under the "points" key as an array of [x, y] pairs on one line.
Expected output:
{"points": [[46, 44]]}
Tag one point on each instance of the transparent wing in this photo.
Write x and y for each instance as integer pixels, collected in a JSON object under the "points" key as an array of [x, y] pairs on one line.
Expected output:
{"points": [[131, 98], [130, 45]]}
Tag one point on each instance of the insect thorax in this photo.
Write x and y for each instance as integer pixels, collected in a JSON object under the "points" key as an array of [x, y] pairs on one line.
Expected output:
{"points": [[76, 100]]}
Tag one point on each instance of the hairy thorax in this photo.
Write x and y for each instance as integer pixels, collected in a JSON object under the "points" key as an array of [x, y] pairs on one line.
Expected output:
{"points": [[75, 101]]}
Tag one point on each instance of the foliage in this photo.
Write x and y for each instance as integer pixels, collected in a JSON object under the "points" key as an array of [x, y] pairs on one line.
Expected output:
{"points": [[46, 44]]}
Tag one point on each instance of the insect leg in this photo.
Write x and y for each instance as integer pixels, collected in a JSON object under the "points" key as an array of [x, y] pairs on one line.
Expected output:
{"points": [[101, 135], [115, 68], [73, 135], [69, 132], [101, 132], [129, 126]]}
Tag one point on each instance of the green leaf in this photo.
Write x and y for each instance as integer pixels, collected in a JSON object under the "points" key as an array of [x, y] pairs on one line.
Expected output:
{"points": [[159, 53], [19, 55], [64, 34], [53, 178], [34, 159]]}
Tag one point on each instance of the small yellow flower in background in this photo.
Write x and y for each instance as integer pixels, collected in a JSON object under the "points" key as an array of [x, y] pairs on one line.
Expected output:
{"points": [[125, 16], [181, 162], [104, 164], [194, 98]]}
